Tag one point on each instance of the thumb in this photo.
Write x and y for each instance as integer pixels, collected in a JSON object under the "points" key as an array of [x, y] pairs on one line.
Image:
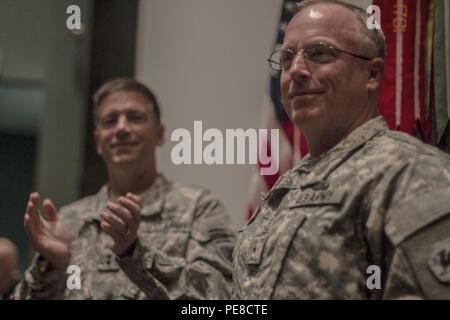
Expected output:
{"points": [[49, 210]]}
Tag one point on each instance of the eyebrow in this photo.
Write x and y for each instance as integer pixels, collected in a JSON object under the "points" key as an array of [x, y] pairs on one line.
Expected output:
{"points": [[130, 111], [284, 47], [108, 115]]}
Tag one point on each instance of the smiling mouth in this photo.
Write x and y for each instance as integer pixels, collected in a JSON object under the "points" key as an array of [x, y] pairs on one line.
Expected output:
{"points": [[120, 145], [304, 94]]}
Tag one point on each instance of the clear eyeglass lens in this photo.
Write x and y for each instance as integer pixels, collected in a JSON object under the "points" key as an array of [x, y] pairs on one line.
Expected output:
{"points": [[286, 58], [319, 53], [281, 60], [275, 61]]}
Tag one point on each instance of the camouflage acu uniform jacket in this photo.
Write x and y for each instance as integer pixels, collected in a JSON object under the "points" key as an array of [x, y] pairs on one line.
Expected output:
{"points": [[183, 250], [379, 197]]}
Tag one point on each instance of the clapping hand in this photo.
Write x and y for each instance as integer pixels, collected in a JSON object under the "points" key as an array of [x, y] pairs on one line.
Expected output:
{"points": [[47, 236], [123, 226]]}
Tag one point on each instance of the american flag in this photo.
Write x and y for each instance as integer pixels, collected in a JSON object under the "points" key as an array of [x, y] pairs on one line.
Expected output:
{"points": [[292, 143]]}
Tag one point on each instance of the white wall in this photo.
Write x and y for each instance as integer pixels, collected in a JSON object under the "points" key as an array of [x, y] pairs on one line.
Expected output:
{"points": [[24, 38], [206, 60], [62, 134], [362, 3], [38, 48]]}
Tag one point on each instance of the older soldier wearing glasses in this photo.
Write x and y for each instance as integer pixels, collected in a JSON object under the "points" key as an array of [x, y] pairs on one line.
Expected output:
{"points": [[366, 215]]}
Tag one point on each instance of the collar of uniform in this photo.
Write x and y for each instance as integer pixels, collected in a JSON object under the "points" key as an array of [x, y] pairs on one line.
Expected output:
{"points": [[327, 162], [286, 181], [100, 205], [152, 199]]}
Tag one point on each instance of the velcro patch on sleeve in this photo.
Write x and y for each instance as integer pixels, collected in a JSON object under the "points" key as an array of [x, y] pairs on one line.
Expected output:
{"points": [[439, 260]]}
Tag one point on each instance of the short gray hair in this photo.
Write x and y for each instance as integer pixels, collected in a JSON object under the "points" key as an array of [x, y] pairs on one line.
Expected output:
{"points": [[375, 40]]}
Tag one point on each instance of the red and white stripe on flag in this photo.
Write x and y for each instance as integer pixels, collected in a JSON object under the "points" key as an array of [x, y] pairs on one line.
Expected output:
{"points": [[402, 90]]}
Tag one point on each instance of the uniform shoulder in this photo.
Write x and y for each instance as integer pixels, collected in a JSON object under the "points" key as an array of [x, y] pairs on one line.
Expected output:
{"points": [[178, 190], [392, 149], [405, 145], [192, 200], [287, 178]]}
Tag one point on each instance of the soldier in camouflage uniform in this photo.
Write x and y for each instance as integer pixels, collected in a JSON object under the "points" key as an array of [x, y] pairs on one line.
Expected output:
{"points": [[364, 196], [140, 236]]}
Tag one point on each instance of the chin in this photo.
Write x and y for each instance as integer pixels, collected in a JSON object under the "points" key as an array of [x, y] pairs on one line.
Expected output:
{"points": [[303, 114]]}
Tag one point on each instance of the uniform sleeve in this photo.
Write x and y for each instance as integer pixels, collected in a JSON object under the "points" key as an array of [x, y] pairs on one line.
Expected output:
{"points": [[420, 233], [43, 285], [39, 285], [205, 270]]}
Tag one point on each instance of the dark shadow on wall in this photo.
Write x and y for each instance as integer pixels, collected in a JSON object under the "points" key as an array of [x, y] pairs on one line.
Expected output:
{"points": [[17, 159], [113, 55]]}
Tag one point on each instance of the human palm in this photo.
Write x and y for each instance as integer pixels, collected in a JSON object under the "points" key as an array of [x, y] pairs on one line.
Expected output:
{"points": [[47, 236]]}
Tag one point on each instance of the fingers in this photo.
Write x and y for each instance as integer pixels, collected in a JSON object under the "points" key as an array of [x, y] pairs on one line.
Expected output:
{"points": [[116, 236], [122, 227], [27, 216], [134, 198], [116, 224], [49, 210], [33, 209], [123, 213], [132, 206], [35, 198], [31, 227]]}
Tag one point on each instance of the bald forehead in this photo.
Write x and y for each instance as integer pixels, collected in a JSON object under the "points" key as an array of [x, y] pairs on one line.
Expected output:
{"points": [[335, 14], [7, 248], [328, 19]]}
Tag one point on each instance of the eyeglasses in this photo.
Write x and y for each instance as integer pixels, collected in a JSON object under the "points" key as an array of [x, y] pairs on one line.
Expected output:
{"points": [[318, 53]]}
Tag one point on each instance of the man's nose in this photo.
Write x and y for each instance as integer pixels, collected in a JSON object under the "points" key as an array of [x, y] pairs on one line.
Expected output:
{"points": [[299, 68], [123, 126]]}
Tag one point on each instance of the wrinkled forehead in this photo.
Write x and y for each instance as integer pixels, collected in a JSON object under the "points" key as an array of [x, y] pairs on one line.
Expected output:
{"points": [[325, 21]]}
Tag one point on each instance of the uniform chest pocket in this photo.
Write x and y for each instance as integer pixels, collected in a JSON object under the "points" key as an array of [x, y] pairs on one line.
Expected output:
{"points": [[167, 237]]}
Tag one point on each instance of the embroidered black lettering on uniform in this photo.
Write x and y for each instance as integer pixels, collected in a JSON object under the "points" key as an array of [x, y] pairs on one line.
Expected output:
{"points": [[318, 198]]}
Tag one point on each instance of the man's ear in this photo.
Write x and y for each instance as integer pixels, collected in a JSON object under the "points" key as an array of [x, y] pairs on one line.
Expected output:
{"points": [[97, 142], [375, 70], [160, 140]]}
